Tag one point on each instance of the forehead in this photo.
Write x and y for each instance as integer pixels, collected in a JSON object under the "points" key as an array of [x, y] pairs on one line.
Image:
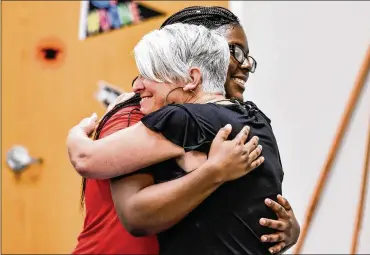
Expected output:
{"points": [[236, 35]]}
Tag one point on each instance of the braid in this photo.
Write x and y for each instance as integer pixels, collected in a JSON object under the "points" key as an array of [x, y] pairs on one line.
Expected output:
{"points": [[210, 17], [134, 101]]}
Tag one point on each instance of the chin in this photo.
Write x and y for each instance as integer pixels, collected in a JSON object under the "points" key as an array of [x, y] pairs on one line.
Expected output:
{"points": [[146, 106], [144, 110], [237, 95], [235, 91], [147, 110]]}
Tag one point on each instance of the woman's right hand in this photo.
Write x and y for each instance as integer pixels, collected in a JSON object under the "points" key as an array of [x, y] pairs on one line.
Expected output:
{"points": [[233, 159]]}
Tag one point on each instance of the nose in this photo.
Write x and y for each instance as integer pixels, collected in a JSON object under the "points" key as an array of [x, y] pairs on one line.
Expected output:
{"points": [[138, 85], [246, 65]]}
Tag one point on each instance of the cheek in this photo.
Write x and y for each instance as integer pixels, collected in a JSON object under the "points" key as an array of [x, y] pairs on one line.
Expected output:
{"points": [[159, 97], [233, 67], [150, 105], [230, 73], [159, 101]]}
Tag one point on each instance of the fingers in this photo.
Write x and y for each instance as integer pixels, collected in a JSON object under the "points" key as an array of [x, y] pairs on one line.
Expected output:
{"points": [[284, 202], [88, 124], [251, 144], [277, 208], [223, 133], [273, 238], [94, 117], [254, 160], [256, 163], [87, 121], [274, 224], [254, 154], [277, 248], [242, 136]]}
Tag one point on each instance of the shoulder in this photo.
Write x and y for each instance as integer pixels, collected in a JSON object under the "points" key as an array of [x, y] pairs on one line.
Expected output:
{"points": [[173, 112], [251, 106], [183, 114], [178, 124], [124, 107], [120, 117]]}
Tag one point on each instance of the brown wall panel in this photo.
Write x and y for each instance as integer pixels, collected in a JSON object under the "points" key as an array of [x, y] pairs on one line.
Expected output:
{"points": [[42, 100]]}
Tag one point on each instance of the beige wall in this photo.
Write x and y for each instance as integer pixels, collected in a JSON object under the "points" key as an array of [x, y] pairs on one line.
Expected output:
{"points": [[309, 54]]}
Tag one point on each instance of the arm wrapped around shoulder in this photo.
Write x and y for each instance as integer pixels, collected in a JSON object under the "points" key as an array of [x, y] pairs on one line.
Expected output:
{"points": [[111, 156]]}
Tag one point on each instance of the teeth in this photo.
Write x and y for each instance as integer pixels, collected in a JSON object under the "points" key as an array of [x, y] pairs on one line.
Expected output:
{"points": [[144, 98], [240, 81]]}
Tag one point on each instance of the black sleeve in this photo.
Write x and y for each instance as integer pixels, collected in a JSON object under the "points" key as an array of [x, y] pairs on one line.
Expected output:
{"points": [[179, 125]]}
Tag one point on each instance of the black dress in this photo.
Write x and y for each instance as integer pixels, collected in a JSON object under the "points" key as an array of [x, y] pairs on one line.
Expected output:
{"points": [[227, 222]]}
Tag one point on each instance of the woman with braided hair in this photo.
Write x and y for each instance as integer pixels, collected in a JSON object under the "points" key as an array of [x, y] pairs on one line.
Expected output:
{"points": [[118, 241], [241, 65], [228, 25]]}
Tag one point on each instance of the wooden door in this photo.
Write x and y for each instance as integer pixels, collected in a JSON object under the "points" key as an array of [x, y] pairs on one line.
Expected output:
{"points": [[42, 99]]}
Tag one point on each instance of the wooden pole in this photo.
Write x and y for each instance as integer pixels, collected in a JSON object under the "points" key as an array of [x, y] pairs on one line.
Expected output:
{"points": [[360, 207], [351, 105]]}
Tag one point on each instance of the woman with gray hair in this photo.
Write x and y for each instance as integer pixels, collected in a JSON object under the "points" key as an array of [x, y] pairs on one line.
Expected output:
{"points": [[183, 70]]}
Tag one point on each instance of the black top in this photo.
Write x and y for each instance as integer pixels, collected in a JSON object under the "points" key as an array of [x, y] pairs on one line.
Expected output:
{"points": [[227, 222]]}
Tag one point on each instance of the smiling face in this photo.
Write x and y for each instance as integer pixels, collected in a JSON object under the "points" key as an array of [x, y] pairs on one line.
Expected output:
{"points": [[153, 94], [237, 74]]}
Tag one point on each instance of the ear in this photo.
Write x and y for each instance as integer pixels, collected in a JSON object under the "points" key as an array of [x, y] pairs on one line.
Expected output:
{"points": [[196, 79]]}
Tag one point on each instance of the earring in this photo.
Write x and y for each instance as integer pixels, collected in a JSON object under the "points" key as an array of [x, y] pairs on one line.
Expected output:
{"points": [[165, 100]]}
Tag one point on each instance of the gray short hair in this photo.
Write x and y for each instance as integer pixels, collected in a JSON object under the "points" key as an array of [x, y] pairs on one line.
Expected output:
{"points": [[166, 55]]}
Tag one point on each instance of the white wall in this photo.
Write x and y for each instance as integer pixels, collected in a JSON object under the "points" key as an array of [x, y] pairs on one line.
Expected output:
{"points": [[308, 55]]}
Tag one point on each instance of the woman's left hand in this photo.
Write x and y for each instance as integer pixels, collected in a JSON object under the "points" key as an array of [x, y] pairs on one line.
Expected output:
{"points": [[287, 226], [88, 124]]}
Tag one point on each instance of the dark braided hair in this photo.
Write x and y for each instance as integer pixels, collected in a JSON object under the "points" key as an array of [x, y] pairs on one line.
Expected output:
{"points": [[210, 17], [134, 101]]}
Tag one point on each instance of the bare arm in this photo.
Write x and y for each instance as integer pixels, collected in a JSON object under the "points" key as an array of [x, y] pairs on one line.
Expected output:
{"points": [[123, 152], [145, 208]]}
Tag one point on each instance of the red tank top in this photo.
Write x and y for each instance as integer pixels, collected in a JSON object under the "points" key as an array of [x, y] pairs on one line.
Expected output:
{"points": [[102, 232]]}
